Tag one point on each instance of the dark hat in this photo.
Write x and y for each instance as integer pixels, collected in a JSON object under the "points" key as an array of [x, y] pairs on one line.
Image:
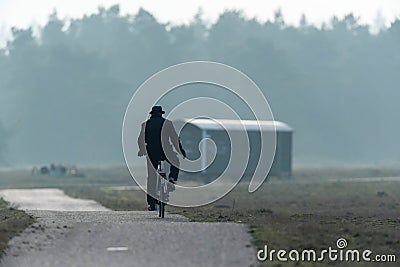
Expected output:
{"points": [[157, 109]]}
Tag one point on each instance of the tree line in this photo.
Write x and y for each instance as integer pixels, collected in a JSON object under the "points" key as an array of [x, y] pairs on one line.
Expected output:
{"points": [[64, 93]]}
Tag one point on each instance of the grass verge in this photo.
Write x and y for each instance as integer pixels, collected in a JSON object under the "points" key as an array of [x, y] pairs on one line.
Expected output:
{"points": [[12, 222]]}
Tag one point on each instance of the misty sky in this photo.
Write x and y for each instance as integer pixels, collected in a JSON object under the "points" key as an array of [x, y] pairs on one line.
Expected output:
{"points": [[22, 13]]}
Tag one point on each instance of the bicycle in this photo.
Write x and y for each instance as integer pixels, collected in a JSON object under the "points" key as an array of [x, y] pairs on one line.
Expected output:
{"points": [[163, 189]]}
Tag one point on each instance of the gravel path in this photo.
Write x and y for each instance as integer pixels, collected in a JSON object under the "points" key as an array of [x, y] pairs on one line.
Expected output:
{"points": [[100, 237]]}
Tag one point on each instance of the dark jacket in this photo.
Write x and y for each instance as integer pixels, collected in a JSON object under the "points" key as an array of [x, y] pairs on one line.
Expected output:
{"points": [[158, 133]]}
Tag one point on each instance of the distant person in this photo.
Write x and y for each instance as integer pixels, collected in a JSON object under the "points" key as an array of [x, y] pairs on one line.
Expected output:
{"points": [[155, 139]]}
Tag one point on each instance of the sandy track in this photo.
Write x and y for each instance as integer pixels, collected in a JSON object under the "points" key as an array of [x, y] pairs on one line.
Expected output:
{"points": [[84, 238], [48, 199]]}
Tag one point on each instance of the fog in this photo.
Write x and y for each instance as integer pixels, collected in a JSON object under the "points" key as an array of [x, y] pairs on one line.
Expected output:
{"points": [[63, 95]]}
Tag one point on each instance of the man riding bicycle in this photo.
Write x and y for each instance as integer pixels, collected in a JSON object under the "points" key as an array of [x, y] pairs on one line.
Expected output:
{"points": [[155, 138]]}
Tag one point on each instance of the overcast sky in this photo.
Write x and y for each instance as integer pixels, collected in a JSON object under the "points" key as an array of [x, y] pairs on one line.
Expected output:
{"points": [[23, 13]]}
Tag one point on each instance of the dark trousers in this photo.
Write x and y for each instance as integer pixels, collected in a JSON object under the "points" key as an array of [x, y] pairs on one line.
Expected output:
{"points": [[152, 164]]}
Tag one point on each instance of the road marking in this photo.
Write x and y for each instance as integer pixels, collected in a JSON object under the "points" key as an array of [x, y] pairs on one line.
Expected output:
{"points": [[117, 248]]}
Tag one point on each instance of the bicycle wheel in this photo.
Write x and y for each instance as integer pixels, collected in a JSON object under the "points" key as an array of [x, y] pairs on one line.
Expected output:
{"points": [[162, 199], [160, 203], [162, 210], [162, 190]]}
